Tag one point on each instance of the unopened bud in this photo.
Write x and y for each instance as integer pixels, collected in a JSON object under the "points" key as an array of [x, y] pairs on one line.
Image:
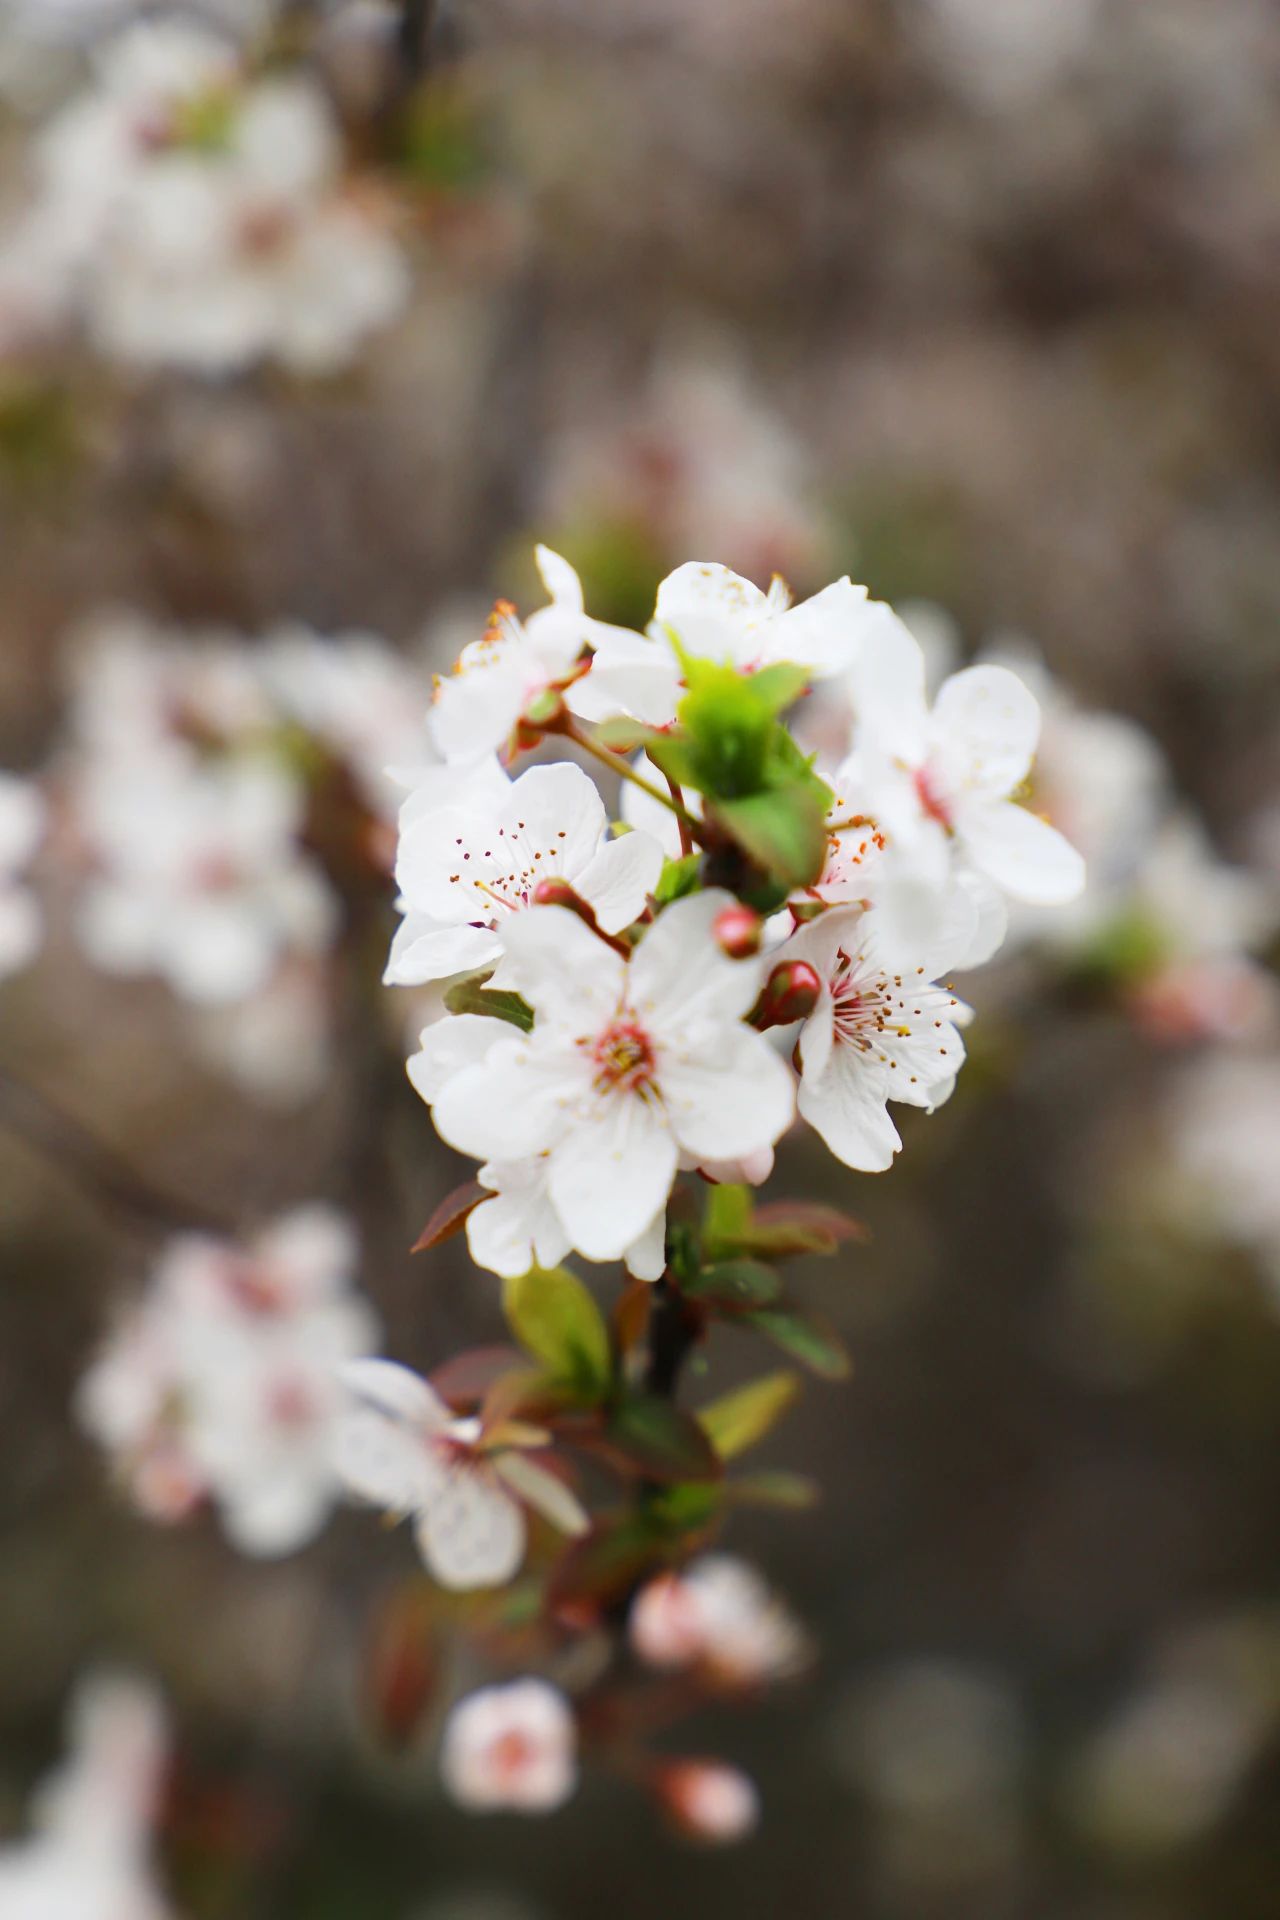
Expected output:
{"points": [[790, 993], [544, 711], [736, 931], [709, 1800], [558, 893]]}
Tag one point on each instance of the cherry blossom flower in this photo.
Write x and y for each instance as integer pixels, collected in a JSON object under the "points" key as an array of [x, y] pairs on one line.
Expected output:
{"points": [[22, 824], [400, 1448], [199, 876], [711, 613], [464, 870], [511, 1747], [478, 706], [717, 1614], [877, 1034], [948, 773], [629, 1064], [224, 1383], [89, 1856]]}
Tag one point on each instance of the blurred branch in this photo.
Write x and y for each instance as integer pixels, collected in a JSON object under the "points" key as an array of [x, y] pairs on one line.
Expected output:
{"points": [[96, 1167], [413, 38]]}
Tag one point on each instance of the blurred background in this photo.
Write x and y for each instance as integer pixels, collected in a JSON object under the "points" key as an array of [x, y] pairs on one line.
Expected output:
{"points": [[978, 300]]}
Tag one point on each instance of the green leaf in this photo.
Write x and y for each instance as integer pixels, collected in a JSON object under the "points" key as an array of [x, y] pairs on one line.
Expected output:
{"points": [[678, 877], [658, 1440], [814, 1344], [735, 1283], [727, 1215], [689, 1505], [472, 996], [779, 686], [793, 1491], [737, 1420], [556, 1319], [727, 724], [784, 1227], [784, 832]]}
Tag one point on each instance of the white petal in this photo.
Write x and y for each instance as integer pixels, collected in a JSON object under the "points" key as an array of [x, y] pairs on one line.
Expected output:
{"points": [[712, 610], [559, 578], [439, 953], [381, 1461], [847, 1107], [543, 1491], [888, 686], [679, 974], [629, 674], [612, 1173], [514, 1103], [619, 880], [1020, 852], [396, 1391], [449, 1047], [731, 1102], [646, 1257], [987, 724], [519, 1228], [823, 633], [565, 972], [817, 1036], [279, 1513], [471, 1533], [559, 814]]}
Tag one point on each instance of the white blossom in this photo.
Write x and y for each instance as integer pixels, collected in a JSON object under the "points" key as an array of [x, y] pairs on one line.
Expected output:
{"points": [[511, 1747], [946, 775], [629, 1064], [400, 1448], [711, 1801], [198, 875], [707, 612], [464, 870], [224, 1382], [479, 704], [878, 1033], [89, 1855]]}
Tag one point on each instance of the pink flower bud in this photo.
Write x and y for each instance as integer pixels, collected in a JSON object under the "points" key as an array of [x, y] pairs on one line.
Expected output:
{"points": [[737, 932], [708, 1800], [790, 993], [558, 893]]}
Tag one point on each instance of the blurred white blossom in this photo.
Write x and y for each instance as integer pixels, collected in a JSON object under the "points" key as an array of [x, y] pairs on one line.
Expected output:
{"points": [[511, 1747]]}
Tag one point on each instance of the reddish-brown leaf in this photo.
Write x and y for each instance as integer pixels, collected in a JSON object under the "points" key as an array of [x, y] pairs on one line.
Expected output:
{"points": [[451, 1215]]}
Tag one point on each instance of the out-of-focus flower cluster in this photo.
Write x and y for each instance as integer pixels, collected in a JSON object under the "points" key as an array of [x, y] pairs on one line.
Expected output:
{"points": [[189, 212], [221, 1382]]}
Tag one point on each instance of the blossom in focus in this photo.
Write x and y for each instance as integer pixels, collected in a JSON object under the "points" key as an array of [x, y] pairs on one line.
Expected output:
{"points": [[464, 870], [877, 1034], [511, 1747], [717, 1614], [629, 1064], [223, 1382], [89, 1854], [22, 825], [947, 773], [711, 613], [400, 1448], [478, 706], [196, 217]]}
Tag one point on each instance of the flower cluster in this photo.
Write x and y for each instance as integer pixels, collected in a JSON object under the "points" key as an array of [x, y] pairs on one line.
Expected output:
{"points": [[629, 989], [222, 1382], [223, 802], [190, 214]]}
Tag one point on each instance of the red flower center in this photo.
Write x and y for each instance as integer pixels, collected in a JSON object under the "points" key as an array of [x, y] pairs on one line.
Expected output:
{"points": [[623, 1057]]}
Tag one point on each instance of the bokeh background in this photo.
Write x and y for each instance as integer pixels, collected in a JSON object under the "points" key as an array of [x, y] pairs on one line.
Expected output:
{"points": [[979, 300]]}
